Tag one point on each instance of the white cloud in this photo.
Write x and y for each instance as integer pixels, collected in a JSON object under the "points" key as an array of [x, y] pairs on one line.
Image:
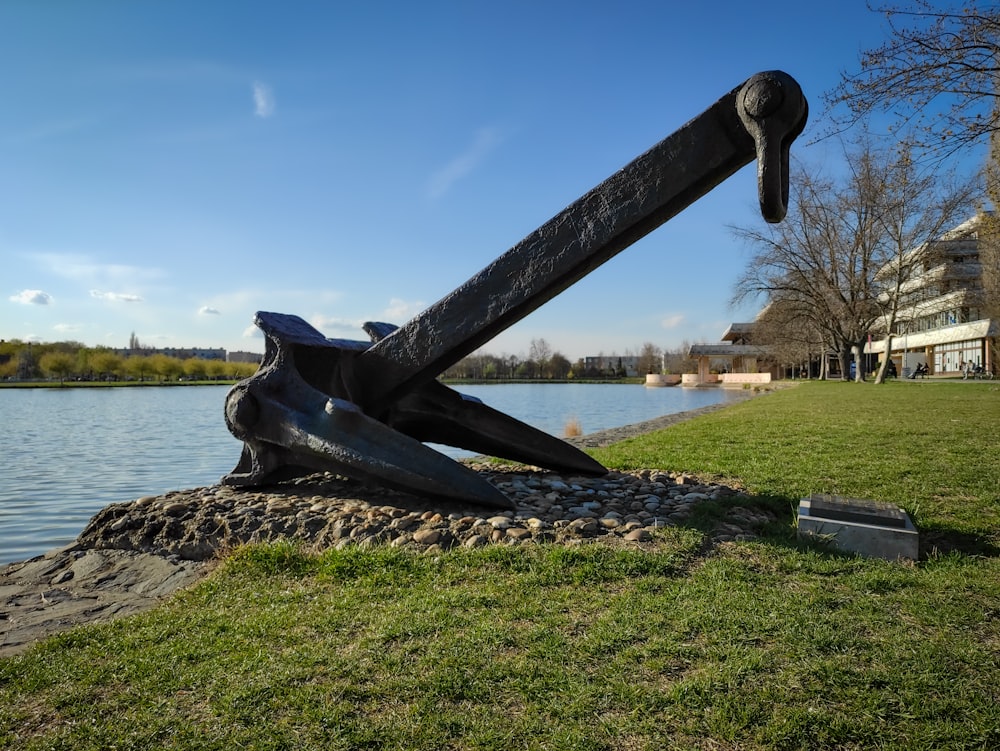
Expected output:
{"points": [[672, 322], [400, 311], [487, 139], [344, 327], [252, 332], [263, 100], [68, 328], [114, 296], [32, 297], [82, 269], [205, 310]]}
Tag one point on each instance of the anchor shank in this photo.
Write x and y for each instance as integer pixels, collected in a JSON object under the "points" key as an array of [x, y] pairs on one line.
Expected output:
{"points": [[364, 411], [628, 205]]}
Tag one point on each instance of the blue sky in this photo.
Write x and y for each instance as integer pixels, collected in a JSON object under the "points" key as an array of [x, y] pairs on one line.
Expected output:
{"points": [[170, 167]]}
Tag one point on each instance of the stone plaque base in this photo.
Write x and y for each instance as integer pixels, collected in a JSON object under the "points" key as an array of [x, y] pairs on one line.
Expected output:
{"points": [[868, 528]]}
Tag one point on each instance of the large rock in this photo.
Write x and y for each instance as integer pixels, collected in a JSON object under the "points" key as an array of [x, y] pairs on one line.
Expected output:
{"points": [[71, 586]]}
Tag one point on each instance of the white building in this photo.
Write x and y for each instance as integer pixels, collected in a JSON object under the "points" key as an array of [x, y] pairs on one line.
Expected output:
{"points": [[605, 364], [941, 321]]}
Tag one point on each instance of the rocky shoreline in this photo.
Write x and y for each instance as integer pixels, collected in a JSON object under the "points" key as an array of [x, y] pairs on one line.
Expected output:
{"points": [[133, 554]]}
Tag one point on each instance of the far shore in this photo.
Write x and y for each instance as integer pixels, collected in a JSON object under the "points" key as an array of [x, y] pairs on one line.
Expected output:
{"points": [[104, 384], [55, 384]]}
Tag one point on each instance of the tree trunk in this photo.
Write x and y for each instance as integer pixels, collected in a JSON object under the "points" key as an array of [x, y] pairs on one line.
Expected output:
{"points": [[859, 366], [884, 366], [844, 356]]}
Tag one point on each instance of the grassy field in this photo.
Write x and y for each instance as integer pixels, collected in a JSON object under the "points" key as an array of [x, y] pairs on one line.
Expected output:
{"points": [[757, 645], [932, 448]]}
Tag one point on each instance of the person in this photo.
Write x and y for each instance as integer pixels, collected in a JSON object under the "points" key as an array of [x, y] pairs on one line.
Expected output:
{"points": [[967, 370], [891, 369]]}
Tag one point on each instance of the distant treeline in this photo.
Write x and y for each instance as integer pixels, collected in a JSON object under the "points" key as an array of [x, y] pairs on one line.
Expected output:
{"points": [[545, 363], [73, 361]]}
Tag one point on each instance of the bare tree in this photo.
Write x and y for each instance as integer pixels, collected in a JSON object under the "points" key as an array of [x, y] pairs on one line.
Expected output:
{"points": [[539, 351], [823, 268], [917, 209], [814, 264], [786, 329], [989, 238], [650, 359], [938, 78], [936, 74], [676, 360]]}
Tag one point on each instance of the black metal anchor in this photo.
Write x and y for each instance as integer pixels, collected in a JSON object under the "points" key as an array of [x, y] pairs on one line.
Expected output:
{"points": [[363, 409]]}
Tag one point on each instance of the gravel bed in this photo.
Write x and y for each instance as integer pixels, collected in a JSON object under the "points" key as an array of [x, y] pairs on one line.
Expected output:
{"points": [[324, 511]]}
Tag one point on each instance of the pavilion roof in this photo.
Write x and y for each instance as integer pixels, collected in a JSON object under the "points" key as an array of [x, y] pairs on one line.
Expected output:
{"points": [[728, 350]]}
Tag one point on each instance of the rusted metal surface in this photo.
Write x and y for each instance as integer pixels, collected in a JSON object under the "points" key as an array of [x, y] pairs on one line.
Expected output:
{"points": [[363, 409]]}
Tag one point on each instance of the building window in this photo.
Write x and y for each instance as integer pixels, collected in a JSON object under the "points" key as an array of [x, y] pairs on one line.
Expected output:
{"points": [[949, 357]]}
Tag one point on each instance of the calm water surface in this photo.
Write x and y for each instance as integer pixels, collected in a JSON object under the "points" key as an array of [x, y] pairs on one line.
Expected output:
{"points": [[67, 453]]}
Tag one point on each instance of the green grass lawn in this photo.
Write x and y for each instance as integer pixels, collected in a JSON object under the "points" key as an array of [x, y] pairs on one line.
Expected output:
{"points": [[757, 645], [932, 448]]}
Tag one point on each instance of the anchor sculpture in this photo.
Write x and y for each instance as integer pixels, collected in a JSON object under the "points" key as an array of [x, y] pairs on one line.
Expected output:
{"points": [[363, 409]]}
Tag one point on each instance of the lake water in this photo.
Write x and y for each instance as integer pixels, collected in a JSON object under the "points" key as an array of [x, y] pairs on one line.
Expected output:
{"points": [[67, 453]]}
